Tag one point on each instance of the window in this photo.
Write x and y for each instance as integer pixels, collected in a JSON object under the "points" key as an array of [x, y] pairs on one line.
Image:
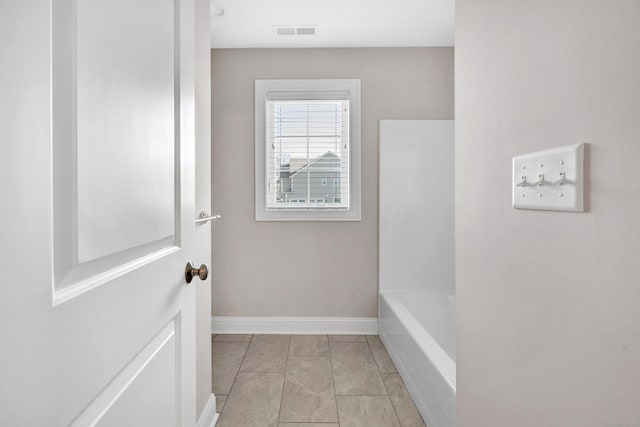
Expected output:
{"points": [[307, 150]]}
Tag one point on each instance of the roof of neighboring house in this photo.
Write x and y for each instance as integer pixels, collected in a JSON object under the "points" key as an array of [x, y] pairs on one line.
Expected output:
{"points": [[325, 156]]}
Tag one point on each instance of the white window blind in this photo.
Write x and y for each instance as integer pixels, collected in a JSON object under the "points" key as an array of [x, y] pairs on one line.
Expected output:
{"points": [[307, 154]]}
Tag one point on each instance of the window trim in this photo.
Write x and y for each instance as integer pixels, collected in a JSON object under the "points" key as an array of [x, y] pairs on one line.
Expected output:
{"points": [[296, 87]]}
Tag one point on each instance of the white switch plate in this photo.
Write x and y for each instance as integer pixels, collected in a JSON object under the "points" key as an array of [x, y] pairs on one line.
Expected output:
{"points": [[542, 186]]}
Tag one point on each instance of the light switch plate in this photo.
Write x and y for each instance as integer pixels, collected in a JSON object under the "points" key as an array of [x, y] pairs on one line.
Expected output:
{"points": [[551, 180]]}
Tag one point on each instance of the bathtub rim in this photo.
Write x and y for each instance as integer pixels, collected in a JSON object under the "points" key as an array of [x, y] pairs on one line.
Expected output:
{"points": [[439, 358]]}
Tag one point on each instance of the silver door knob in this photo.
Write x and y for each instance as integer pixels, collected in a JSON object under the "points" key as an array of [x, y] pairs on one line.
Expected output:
{"points": [[190, 272], [205, 217]]}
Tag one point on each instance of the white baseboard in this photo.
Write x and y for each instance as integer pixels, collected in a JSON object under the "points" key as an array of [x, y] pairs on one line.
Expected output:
{"points": [[208, 418], [294, 325]]}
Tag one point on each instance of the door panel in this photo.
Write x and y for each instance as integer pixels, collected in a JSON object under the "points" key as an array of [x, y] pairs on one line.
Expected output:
{"points": [[143, 394], [97, 210], [125, 105], [115, 104]]}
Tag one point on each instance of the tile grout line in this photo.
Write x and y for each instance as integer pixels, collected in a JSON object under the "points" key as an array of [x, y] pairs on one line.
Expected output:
{"points": [[235, 378], [333, 380], [395, 410], [362, 395], [375, 361], [384, 384], [284, 378]]}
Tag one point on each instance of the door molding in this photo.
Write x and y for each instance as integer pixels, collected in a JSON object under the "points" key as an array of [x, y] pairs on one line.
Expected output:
{"points": [[209, 417], [84, 285]]}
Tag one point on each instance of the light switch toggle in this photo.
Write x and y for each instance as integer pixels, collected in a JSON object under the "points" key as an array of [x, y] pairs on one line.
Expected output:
{"points": [[523, 182], [541, 180], [562, 180]]}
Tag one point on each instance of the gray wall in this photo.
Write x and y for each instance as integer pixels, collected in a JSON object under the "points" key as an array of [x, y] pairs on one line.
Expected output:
{"points": [[548, 303], [308, 268]]}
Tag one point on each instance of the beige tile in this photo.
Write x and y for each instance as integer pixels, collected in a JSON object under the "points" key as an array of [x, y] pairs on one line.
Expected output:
{"points": [[309, 345], [405, 408], [384, 362], [233, 337], [308, 425], [366, 411], [354, 370], [347, 338], [254, 401], [226, 358], [220, 400], [267, 353], [308, 394]]}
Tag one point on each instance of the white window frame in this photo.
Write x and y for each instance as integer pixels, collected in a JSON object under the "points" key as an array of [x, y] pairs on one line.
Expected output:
{"points": [[308, 89]]}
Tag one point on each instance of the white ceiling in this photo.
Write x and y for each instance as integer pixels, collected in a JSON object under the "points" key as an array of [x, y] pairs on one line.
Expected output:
{"points": [[341, 23]]}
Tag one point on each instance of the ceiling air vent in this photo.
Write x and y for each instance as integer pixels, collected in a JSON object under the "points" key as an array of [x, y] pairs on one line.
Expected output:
{"points": [[306, 31], [291, 30]]}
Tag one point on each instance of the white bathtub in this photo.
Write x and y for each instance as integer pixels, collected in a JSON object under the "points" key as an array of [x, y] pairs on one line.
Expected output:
{"points": [[418, 330]]}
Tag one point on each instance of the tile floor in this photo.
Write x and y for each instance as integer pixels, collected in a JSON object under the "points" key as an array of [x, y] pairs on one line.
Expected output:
{"points": [[308, 381]]}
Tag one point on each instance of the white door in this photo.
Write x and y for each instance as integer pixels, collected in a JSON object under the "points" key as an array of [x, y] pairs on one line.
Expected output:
{"points": [[96, 213]]}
